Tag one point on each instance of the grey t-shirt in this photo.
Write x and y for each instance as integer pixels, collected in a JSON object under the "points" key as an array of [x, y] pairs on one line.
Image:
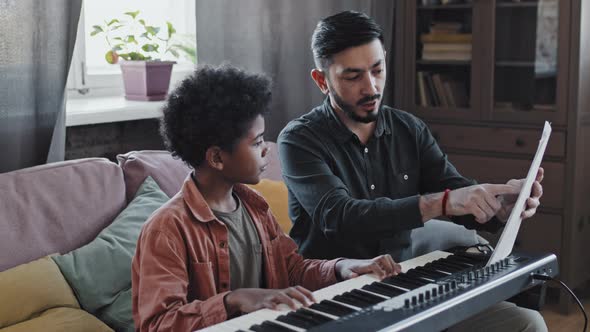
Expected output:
{"points": [[245, 249]]}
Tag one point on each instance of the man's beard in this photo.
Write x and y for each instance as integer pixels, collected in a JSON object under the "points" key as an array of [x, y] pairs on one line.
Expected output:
{"points": [[348, 109]]}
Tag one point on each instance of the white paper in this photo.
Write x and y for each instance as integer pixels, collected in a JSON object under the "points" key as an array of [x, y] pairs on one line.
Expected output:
{"points": [[506, 242]]}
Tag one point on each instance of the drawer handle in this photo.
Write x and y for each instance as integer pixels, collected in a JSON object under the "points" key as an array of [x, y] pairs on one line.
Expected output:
{"points": [[520, 142]]}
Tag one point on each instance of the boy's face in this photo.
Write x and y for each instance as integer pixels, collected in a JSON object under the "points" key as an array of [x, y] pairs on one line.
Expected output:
{"points": [[248, 159], [356, 79]]}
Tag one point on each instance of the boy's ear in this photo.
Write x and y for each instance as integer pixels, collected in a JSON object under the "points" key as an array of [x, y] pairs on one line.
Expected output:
{"points": [[319, 77], [213, 158]]}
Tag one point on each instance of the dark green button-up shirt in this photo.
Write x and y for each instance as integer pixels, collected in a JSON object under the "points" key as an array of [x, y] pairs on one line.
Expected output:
{"points": [[352, 200]]}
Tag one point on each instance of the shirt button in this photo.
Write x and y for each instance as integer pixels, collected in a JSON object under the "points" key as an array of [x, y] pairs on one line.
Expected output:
{"points": [[372, 187], [222, 244], [405, 176], [224, 285], [366, 150]]}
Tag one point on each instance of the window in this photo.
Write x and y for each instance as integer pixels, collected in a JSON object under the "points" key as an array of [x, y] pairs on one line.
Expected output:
{"points": [[91, 75]]}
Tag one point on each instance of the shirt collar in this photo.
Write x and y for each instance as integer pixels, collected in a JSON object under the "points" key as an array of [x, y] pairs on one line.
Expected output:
{"points": [[341, 132], [201, 210]]}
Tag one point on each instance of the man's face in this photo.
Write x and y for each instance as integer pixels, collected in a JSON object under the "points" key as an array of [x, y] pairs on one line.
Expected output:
{"points": [[248, 159], [356, 79]]}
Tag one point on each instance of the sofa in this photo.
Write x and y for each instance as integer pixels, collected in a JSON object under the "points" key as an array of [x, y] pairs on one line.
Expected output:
{"points": [[51, 213]]}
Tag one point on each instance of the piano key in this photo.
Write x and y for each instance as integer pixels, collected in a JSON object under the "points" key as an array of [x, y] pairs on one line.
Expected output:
{"points": [[404, 277], [432, 272], [332, 308], [369, 297], [352, 300], [399, 283], [295, 321], [383, 290], [316, 318], [270, 326], [421, 275]]}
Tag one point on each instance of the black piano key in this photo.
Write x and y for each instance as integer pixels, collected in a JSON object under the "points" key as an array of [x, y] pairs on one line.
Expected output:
{"points": [[409, 279], [446, 267], [319, 319], [419, 274], [369, 297], [434, 273], [349, 299], [291, 320], [459, 261], [382, 289], [399, 283], [436, 267], [268, 326], [360, 298], [332, 308], [458, 265]]}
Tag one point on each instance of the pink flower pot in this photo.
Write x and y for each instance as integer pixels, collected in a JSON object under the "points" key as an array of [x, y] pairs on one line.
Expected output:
{"points": [[146, 80]]}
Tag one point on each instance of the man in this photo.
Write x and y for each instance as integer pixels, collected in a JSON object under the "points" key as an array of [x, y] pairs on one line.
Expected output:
{"points": [[214, 250], [362, 176]]}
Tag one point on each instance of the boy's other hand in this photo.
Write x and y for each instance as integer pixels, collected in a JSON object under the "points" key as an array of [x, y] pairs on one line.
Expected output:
{"points": [[246, 300], [383, 266]]}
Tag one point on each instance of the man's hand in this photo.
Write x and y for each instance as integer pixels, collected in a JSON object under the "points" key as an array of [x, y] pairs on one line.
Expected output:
{"points": [[479, 200], [246, 300], [383, 266], [532, 203]]}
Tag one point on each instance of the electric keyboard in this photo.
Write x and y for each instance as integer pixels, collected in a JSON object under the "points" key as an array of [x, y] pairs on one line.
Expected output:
{"points": [[433, 292]]}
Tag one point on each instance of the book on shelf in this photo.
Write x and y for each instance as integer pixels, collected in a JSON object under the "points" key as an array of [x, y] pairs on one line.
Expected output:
{"points": [[457, 91], [422, 97], [446, 47], [440, 90], [446, 38], [446, 56], [445, 27]]}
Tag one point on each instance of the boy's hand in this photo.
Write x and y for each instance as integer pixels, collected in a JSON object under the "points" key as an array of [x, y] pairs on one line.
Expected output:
{"points": [[246, 300], [383, 266]]}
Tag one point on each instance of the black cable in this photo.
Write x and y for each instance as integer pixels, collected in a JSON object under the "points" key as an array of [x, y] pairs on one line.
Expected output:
{"points": [[548, 278]]}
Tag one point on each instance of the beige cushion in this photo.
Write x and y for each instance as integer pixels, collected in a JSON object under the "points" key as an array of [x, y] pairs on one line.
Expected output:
{"points": [[29, 289], [59, 320], [276, 195]]}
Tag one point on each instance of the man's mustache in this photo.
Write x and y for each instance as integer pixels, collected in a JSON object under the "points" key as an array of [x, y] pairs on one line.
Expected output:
{"points": [[368, 99]]}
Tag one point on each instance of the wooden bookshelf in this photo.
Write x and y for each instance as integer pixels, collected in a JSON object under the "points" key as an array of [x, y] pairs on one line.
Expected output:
{"points": [[512, 87]]}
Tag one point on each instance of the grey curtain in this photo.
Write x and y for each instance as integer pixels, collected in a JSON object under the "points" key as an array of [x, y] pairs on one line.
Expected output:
{"points": [[36, 44], [274, 36]]}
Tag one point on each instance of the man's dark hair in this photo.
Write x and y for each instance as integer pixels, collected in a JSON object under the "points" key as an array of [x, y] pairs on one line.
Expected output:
{"points": [[338, 32], [215, 106]]}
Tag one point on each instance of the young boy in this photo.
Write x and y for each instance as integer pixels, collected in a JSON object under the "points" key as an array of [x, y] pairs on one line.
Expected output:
{"points": [[214, 250]]}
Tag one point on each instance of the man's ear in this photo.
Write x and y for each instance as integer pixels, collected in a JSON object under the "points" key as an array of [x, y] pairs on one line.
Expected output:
{"points": [[213, 158], [319, 77]]}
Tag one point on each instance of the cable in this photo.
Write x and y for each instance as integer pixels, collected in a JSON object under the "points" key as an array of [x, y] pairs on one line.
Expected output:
{"points": [[548, 278]]}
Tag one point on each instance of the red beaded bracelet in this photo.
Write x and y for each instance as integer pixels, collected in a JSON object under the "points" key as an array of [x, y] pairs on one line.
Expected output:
{"points": [[444, 201]]}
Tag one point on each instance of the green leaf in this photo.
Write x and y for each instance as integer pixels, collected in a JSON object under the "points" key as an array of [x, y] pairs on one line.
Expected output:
{"points": [[136, 56], [118, 38], [150, 47], [125, 56], [174, 52], [116, 27], [118, 47], [152, 30], [141, 21], [112, 21], [171, 29], [132, 14], [145, 35], [98, 27], [131, 39]]}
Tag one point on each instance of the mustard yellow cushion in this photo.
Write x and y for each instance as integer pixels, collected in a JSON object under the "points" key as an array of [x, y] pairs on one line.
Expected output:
{"points": [[29, 289], [276, 195], [59, 320]]}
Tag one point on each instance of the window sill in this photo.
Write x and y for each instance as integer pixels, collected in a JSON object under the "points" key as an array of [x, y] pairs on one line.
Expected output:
{"points": [[85, 111]]}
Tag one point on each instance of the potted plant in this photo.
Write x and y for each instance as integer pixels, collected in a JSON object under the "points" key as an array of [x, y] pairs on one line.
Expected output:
{"points": [[146, 75]]}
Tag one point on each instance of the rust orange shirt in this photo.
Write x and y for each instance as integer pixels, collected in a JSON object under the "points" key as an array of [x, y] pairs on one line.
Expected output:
{"points": [[180, 272]]}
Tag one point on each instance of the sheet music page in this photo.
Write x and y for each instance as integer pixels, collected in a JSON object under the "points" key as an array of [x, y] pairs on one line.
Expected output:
{"points": [[506, 242]]}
